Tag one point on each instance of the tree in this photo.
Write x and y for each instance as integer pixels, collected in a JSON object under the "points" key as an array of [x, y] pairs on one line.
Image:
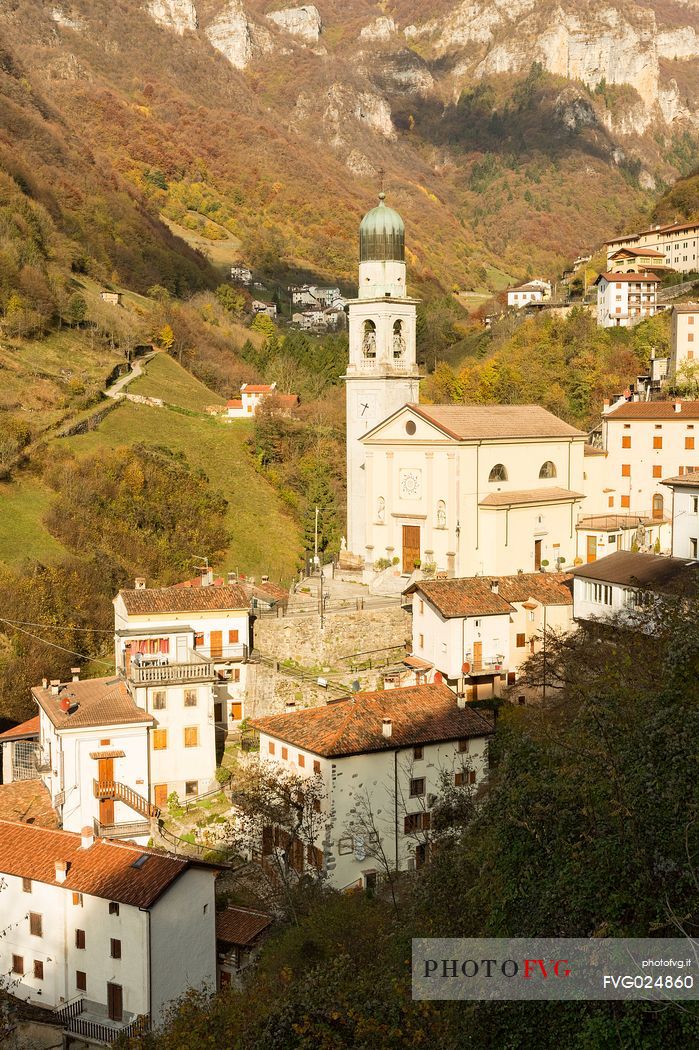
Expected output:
{"points": [[231, 299], [76, 310], [320, 495], [264, 324], [166, 337]]}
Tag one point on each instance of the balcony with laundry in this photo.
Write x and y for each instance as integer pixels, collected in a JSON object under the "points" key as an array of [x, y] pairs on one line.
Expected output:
{"points": [[165, 657]]}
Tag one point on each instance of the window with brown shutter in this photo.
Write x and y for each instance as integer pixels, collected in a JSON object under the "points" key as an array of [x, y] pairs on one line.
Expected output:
{"points": [[316, 766], [417, 787], [17, 964], [418, 753], [511, 677], [626, 501], [267, 840], [233, 637], [159, 700], [302, 761], [657, 442], [316, 805], [38, 970], [521, 641], [236, 710], [79, 938], [689, 442], [81, 980], [26, 885], [235, 674], [198, 640], [285, 753], [34, 924], [626, 470], [657, 472], [115, 948], [626, 441], [459, 780], [190, 698], [77, 900], [411, 822], [159, 739], [462, 746], [191, 736], [610, 501], [271, 747]]}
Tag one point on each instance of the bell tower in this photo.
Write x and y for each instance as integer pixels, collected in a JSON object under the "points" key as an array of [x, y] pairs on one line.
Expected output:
{"points": [[382, 373]]}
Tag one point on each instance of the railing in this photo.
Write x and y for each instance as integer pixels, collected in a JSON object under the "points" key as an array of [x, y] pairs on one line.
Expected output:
{"points": [[387, 364], [237, 651], [196, 668], [111, 789], [128, 830], [485, 666], [106, 1032]]}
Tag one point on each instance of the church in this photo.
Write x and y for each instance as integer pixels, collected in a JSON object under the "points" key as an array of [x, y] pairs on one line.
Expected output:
{"points": [[461, 489]]}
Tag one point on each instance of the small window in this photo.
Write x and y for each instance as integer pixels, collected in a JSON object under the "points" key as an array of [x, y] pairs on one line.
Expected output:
{"points": [[191, 788], [190, 698], [191, 736], [695, 504], [498, 473], [113, 908], [345, 846], [233, 637], [626, 441], [35, 924], [421, 641], [657, 472], [421, 606], [205, 910], [521, 641], [626, 470], [17, 964], [302, 761], [159, 700], [689, 442], [198, 641], [78, 900], [548, 469], [417, 787], [81, 980], [418, 753], [477, 624], [316, 766], [159, 739], [38, 970], [658, 442], [285, 753], [115, 948], [80, 939], [271, 748], [462, 746], [26, 885], [410, 427]]}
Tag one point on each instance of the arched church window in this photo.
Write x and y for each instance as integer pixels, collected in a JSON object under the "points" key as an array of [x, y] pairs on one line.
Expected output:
{"points": [[369, 339], [381, 509], [441, 515], [658, 506], [398, 340], [548, 470], [498, 473]]}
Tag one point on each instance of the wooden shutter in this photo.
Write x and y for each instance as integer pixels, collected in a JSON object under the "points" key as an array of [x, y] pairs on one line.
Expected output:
{"points": [[115, 1001], [115, 946], [233, 637], [79, 938], [35, 924], [38, 970], [81, 980], [159, 739], [236, 710], [521, 641], [191, 736]]}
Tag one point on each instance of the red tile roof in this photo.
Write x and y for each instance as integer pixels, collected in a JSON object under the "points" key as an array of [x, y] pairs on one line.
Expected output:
{"points": [[420, 715], [241, 926], [633, 569], [183, 599], [100, 702], [474, 422], [520, 497], [104, 870], [691, 477], [592, 450], [653, 410], [474, 595], [259, 388], [639, 251], [23, 730], [28, 802], [615, 522], [648, 278], [234, 404]]}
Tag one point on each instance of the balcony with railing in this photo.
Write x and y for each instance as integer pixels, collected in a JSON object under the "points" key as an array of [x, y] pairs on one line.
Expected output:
{"points": [[117, 792], [159, 668], [382, 364], [129, 829], [486, 666], [91, 1021], [235, 652]]}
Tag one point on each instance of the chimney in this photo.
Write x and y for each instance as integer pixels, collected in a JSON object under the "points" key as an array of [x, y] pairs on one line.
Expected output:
{"points": [[461, 701], [290, 705], [140, 583], [678, 406], [75, 671], [44, 683], [61, 870], [55, 685], [87, 837], [387, 728], [207, 577], [495, 585], [232, 577]]}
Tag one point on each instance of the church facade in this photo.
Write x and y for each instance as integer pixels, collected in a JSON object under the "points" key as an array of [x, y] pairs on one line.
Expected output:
{"points": [[466, 489]]}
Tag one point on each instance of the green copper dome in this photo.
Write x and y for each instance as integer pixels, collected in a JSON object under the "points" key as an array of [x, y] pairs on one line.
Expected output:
{"points": [[381, 234]]}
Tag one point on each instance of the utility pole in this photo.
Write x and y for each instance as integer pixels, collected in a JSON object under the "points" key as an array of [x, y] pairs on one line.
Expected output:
{"points": [[315, 544]]}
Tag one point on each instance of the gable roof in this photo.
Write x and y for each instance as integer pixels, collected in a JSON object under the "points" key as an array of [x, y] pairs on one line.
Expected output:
{"points": [[27, 802], [649, 278], [653, 410], [104, 870], [655, 571], [520, 497], [24, 730], [495, 422], [352, 726], [183, 599], [241, 925], [638, 251], [100, 702], [474, 595], [691, 478]]}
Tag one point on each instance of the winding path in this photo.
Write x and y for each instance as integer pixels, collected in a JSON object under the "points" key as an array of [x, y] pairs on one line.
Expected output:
{"points": [[116, 389]]}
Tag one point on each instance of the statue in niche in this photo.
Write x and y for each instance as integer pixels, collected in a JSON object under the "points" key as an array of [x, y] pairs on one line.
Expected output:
{"points": [[369, 340], [343, 544], [381, 510], [441, 515]]}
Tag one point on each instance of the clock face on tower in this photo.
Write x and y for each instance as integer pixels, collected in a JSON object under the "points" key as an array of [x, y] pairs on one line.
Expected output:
{"points": [[410, 482]]}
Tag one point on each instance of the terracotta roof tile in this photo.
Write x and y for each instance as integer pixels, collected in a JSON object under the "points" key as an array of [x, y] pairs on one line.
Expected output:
{"points": [[28, 802], [474, 596], [420, 715], [25, 729], [591, 450], [686, 308], [100, 702], [691, 477], [257, 388], [522, 496], [631, 569], [654, 410], [627, 278], [183, 599], [474, 422], [104, 870], [241, 925], [639, 251], [234, 403]]}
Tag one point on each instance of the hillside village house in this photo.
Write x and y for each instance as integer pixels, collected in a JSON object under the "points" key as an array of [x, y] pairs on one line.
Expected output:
{"points": [[685, 514], [677, 242], [477, 632], [240, 933], [646, 441], [616, 585], [315, 296], [531, 292], [260, 307], [624, 299], [106, 933], [384, 753], [241, 274], [602, 534], [637, 260], [252, 395], [684, 340]]}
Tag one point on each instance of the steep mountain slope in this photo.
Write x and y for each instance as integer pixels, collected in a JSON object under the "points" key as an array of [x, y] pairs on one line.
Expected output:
{"points": [[513, 134]]}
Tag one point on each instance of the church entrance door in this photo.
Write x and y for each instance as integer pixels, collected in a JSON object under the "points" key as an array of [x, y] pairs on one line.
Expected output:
{"points": [[411, 547]]}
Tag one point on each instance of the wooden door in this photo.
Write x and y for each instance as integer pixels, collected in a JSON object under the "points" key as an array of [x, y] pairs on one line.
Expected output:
{"points": [[105, 775], [537, 555], [236, 710], [216, 644], [591, 548], [411, 547], [160, 795], [477, 655], [115, 1001]]}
